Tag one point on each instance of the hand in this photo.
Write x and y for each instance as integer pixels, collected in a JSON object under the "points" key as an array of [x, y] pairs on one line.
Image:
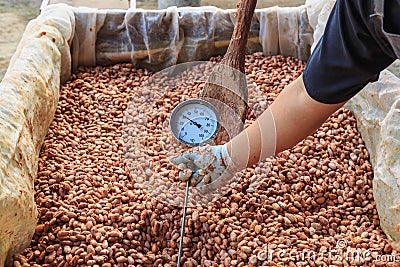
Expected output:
{"points": [[207, 165]]}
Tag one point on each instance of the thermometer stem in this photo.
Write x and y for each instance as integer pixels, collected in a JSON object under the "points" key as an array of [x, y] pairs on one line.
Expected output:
{"points": [[183, 224]]}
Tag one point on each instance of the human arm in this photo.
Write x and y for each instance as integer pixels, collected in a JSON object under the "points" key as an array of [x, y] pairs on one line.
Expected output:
{"points": [[291, 117], [350, 54]]}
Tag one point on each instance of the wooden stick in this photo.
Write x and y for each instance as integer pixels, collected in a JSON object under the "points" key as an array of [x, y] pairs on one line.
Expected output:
{"points": [[227, 82]]}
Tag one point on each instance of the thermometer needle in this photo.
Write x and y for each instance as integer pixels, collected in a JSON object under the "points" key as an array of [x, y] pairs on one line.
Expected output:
{"points": [[195, 123]]}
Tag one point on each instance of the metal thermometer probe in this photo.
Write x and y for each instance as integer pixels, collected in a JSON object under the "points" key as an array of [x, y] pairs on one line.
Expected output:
{"points": [[193, 122], [183, 223]]}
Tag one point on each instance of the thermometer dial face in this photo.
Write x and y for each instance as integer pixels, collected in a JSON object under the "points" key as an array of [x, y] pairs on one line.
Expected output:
{"points": [[194, 122]]}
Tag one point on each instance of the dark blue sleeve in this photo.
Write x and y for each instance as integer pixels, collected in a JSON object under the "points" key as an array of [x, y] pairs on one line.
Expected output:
{"points": [[350, 54]]}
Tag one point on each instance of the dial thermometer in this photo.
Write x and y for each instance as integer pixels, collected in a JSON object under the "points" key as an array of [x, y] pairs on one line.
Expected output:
{"points": [[194, 122]]}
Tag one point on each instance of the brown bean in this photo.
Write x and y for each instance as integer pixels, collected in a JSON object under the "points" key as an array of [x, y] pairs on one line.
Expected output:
{"points": [[93, 210]]}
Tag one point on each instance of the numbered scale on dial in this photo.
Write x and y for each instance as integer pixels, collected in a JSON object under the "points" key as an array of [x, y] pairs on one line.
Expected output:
{"points": [[194, 122]]}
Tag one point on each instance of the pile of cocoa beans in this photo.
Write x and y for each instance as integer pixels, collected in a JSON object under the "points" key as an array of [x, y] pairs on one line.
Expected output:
{"points": [[315, 206]]}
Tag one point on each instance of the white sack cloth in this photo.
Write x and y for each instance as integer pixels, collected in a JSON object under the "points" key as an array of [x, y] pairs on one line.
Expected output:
{"points": [[28, 99], [377, 109]]}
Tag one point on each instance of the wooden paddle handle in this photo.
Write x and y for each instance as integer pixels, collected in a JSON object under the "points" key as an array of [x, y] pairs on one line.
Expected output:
{"points": [[227, 82], [235, 55]]}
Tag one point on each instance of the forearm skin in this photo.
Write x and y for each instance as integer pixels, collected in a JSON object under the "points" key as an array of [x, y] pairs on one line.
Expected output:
{"points": [[291, 117]]}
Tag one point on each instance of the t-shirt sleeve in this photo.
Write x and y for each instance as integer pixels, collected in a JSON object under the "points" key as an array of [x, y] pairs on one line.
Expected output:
{"points": [[349, 55]]}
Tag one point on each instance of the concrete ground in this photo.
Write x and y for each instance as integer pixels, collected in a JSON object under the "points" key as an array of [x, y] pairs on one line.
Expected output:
{"points": [[14, 17]]}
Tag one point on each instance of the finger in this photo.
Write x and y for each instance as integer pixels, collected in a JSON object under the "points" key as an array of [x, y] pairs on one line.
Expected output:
{"points": [[196, 179], [185, 174], [200, 183], [178, 159], [220, 180], [193, 156]]}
